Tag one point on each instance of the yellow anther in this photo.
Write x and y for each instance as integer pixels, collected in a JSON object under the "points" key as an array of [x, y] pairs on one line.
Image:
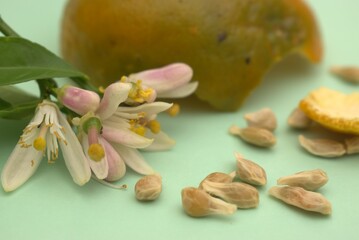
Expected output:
{"points": [[145, 94], [96, 152], [137, 127], [138, 94], [155, 126], [174, 110], [140, 130], [101, 89], [123, 79], [39, 144]]}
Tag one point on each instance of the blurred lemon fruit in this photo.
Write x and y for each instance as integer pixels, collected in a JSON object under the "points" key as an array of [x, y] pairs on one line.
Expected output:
{"points": [[230, 44]]}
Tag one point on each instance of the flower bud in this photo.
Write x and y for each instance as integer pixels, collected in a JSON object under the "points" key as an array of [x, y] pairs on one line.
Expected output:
{"points": [[149, 187], [78, 100]]}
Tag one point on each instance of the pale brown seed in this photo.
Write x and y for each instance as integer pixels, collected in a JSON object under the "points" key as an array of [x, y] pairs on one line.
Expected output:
{"points": [[241, 194], [264, 118], [346, 73], [148, 188], [217, 177], [249, 171], [309, 180], [198, 203], [301, 198], [322, 147], [298, 119], [257, 136], [352, 145]]}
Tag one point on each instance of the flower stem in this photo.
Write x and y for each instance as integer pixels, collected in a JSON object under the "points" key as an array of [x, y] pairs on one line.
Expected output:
{"points": [[111, 185]]}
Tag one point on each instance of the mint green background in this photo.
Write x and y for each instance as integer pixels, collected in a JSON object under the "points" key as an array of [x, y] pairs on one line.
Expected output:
{"points": [[51, 206]]}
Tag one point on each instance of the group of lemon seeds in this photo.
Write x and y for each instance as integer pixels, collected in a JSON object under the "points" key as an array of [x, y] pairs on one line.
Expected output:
{"points": [[299, 191], [221, 193], [260, 127]]}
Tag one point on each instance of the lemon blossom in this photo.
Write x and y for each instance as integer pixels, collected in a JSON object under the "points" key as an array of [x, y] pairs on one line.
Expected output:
{"points": [[47, 131], [111, 135]]}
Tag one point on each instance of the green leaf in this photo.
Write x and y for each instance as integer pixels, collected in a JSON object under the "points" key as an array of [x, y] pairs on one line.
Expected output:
{"points": [[22, 60], [14, 95], [4, 104], [16, 103], [19, 111]]}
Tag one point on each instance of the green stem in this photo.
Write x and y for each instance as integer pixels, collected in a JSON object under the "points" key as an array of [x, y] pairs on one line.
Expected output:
{"points": [[6, 29]]}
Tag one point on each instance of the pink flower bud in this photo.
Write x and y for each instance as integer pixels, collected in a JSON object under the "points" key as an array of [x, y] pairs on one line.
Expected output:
{"points": [[78, 100]]}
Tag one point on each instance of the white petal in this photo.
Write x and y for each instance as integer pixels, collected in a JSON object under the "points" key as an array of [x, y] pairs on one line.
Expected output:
{"points": [[114, 94], [116, 166], [180, 92], [134, 159], [161, 141], [20, 166], [116, 122], [100, 168], [73, 154], [165, 78], [125, 137], [147, 108]]}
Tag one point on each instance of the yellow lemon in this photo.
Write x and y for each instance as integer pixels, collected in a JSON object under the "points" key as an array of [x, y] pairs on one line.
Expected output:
{"points": [[230, 44]]}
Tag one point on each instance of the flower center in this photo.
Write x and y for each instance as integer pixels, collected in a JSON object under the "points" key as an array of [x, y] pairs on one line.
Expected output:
{"points": [[140, 125], [140, 95]]}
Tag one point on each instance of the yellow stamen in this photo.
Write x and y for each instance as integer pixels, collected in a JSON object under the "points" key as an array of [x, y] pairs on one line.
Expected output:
{"points": [[96, 152], [140, 130], [137, 127], [39, 144], [138, 94], [174, 110], [123, 79], [101, 89], [155, 126]]}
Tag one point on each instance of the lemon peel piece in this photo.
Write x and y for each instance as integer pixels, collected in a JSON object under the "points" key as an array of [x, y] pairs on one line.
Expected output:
{"points": [[333, 109]]}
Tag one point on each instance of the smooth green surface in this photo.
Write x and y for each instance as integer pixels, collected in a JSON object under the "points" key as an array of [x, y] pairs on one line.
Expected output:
{"points": [[51, 206]]}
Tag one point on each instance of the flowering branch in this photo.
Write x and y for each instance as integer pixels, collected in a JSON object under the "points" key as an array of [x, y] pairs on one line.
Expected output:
{"points": [[110, 127]]}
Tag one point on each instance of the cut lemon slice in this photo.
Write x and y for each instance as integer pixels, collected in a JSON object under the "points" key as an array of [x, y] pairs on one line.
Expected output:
{"points": [[332, 109]]}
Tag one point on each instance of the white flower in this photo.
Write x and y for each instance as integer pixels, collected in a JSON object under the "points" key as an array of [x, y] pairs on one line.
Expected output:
{"points": [[47, 130], [111, 135]]}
